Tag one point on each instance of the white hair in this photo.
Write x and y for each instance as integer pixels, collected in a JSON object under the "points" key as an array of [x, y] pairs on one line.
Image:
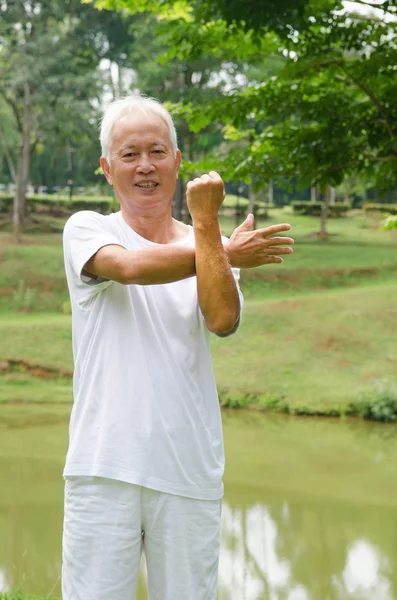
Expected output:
{"points": [[128, 106]]}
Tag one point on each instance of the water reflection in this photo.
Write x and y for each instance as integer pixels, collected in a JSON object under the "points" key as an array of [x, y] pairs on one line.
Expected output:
{"points": [[4, 587], [366, 573], [291, 541], [250, 568], [257, 561], [253, 566]]}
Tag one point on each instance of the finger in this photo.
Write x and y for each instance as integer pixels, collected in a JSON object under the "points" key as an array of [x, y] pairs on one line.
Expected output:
{"points": [[275, 229], [247, 224], [273, 259], [205, 178], [193, 182], [275, 241], [216, 178], [278, 250]]}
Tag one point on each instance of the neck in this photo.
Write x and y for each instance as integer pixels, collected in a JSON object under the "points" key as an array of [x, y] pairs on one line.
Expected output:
{"points": [[158, 228]]}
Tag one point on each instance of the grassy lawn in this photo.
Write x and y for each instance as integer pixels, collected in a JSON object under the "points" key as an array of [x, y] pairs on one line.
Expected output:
{"points": [[356, 253], [17, 596], [316, 330], [320, 350]]}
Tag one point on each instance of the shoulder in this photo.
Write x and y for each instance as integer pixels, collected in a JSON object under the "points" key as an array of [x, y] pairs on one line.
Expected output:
{"points": [[84, 220], [83, 216]]}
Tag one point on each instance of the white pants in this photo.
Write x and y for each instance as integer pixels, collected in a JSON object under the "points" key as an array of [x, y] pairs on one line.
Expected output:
{"points": [[109, 523]]}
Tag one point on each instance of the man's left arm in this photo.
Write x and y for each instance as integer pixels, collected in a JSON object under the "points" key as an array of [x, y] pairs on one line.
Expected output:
{"points": [[216, 287]]}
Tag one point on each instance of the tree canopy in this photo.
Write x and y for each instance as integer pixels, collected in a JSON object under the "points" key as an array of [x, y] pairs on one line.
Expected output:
{"points": [[282, 91], [326, 114]]}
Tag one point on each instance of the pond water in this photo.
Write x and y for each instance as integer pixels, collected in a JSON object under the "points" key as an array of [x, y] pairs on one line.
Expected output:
{"points": [[310, 509]]}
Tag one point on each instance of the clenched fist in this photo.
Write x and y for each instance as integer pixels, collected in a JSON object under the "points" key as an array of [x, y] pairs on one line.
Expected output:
{"points": [[204, 196]]}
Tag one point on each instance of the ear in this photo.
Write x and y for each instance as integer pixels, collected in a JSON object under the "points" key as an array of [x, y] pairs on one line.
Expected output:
{"points": [[106, 169], [178, 159]]}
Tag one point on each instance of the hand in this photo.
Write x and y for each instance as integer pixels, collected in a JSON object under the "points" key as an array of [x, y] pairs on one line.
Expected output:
{"points": [[204, 196], [247, 249]]}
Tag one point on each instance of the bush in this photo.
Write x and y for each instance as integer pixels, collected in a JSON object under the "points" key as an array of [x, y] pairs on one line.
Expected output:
{"points": [[339, 209], [61, 205], [377, 405], [390, 223], [390, 209]]}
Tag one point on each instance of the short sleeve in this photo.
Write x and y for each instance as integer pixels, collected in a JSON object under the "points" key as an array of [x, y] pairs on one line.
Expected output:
{"points": [[84, 234]]}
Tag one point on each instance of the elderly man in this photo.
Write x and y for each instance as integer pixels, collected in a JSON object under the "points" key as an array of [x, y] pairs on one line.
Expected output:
{"points": [[145, 462]]}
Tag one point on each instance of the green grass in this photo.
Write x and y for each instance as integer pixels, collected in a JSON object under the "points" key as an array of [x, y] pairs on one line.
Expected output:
{"points": [[315, 332], [357, 253], [17, 596], [22, 387], [40, 339], [319, 350]]}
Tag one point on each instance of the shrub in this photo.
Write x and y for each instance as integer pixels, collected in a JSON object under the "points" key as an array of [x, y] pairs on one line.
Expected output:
{"points": [[390, 209], [390, 223], [338, 209], [47, 203], [380, 404]]}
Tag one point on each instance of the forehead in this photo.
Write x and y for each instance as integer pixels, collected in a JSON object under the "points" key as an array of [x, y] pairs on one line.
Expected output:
{"points": [[140, 128]]}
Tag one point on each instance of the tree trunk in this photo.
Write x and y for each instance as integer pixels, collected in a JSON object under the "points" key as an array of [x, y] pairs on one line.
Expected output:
{"points": [[113, 83], [178, 201], [332, 197], [313, 193], [19, 208], [8, 157], [270, 193], [324, 213], [251, 199]]}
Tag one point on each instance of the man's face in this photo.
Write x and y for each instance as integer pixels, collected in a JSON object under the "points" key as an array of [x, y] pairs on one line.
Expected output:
{"points": [[143, 168]]}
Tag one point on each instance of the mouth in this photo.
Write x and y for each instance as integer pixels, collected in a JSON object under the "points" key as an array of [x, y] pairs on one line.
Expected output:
{"points": [[147, 185]]}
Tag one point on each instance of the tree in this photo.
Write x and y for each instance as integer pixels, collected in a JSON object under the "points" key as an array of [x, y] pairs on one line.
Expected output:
{"points": [[39, 72], [196, 80], [329, 112], [49, 79], [277, 15]]}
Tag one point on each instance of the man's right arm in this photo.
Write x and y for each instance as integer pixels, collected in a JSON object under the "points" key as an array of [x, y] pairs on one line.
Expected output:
{"points": [[167, 263], [149, 266]]}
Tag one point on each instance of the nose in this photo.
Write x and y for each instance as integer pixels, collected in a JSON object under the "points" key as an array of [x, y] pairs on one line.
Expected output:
{"points": [[145, 164]]}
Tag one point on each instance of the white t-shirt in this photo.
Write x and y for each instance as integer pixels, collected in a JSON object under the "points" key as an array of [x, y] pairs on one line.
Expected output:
{"points": [[146, 408]]}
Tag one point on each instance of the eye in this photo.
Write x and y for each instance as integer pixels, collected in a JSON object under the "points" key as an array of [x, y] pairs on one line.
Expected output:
{"points": [[129, 155], [158, 152]]}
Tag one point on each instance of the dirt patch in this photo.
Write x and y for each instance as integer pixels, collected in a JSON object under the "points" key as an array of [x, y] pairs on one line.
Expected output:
{"points": [[29, 421], [328, 344], [344, 364], [10, 365], [297, 276]]}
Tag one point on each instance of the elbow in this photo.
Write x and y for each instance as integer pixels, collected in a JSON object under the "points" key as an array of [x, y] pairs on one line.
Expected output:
{"points": [[227, 325]]}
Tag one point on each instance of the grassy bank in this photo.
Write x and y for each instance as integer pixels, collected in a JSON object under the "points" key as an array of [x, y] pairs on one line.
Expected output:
{"points": [[317, 354], [315, 338], [356, 254], [17, 596]]}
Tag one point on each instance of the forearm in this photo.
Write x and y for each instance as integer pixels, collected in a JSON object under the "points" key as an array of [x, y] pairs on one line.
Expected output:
{"points": [[217, 290], [151, 266], [164, 264]]}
